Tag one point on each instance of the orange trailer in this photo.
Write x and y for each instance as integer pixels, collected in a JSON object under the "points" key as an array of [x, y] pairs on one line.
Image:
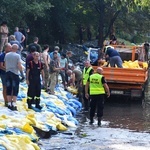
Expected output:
{"points": [[126, 81]]}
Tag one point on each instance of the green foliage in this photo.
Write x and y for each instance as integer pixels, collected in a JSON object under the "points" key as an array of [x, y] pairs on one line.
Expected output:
{"points": [[60, 21]]}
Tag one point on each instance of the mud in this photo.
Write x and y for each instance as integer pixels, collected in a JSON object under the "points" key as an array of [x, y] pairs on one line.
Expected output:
{"points": [[125, 125]]}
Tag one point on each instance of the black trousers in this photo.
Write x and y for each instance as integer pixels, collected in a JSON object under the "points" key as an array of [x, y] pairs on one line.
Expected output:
{"points": [[96, 102], [34, 89]]}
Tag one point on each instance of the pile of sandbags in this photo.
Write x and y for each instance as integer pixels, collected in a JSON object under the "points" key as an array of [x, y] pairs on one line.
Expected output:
{"points": [[135, 64], [129, 64], [57, 114]]}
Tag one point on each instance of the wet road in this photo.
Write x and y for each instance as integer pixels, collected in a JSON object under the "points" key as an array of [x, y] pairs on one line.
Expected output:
{"points": [[123, 123]]}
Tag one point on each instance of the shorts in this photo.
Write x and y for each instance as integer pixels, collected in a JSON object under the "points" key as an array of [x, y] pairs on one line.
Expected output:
{"points": [[12, 84], [3, 79]]}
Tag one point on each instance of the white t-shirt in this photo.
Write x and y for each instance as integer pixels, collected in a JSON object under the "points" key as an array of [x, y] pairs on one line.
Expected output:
{"points": [[63, 62]]}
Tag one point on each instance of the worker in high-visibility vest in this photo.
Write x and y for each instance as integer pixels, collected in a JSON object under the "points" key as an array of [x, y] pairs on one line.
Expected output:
{"points": [[87, 71], [98, 88]]}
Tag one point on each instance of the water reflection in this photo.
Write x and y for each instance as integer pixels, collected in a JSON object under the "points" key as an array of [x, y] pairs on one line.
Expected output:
{"points": [[127, 115], [122, 114]]}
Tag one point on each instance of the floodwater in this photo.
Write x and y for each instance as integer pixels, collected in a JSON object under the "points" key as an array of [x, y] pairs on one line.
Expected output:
{"points": [[127, 115], [121, 120]]}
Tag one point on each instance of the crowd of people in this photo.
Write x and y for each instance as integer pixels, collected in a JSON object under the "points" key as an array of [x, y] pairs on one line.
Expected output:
{"points": [[43, 67]]}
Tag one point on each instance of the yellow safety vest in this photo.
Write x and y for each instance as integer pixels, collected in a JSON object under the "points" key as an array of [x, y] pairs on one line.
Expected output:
{"points": [[86, 75], [96, 86]]}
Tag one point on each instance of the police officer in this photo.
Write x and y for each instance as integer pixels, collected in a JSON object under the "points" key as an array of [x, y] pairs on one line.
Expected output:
{"points": [[87, 71], [98, 88]]}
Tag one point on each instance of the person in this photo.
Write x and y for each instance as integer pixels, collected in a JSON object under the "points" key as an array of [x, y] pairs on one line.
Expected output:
{"points": [[46, 62], [35, 43], [113, 39], [33, 80], [13, 66], [12, 40], [64, 66], [70, 63], [54, 69], [30, 55], [3, 35], [75, 76], [75, 79], [56, 49], [7, 48], [19, 36], [98, 87], [20, 48], [114, 57], [25, 31], [146, 50], [87, 71]]}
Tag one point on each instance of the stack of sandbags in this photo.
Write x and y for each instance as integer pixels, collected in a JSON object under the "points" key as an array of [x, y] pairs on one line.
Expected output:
{"points": [[135, 64], [58, 114]]}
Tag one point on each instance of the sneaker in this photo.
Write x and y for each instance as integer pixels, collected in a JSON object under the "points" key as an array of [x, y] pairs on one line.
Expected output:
{"points": [[14, 108], [10, 107], [39, 107]]}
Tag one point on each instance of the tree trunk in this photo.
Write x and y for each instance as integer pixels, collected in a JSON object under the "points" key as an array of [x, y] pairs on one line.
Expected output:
{"points": [[101, 23]]}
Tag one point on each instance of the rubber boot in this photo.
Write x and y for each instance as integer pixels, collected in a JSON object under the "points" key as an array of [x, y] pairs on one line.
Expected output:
{"points": [[29, 102], [91, 120], [99, 121], [37, 104]]}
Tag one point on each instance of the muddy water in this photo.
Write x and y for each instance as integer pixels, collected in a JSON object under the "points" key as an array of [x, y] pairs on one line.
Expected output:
{"points": [[117, 115], [124, 115], [127, 115]]}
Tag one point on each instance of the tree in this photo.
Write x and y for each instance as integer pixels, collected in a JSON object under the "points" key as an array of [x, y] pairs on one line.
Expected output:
{"points": [[113, 9], [17, 12]]}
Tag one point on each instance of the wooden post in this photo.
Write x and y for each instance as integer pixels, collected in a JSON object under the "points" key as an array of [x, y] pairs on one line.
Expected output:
{"points": [[133, 53]]}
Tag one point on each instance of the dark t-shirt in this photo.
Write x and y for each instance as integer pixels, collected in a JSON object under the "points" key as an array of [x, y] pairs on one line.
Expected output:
{"points": [[2, 56], [28, 59], [53, 64], [35, 70], [112, 52], [38, 47]]}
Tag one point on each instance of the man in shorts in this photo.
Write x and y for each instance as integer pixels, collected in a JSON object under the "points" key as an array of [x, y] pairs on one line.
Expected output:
{"points": [[13, 66]]}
